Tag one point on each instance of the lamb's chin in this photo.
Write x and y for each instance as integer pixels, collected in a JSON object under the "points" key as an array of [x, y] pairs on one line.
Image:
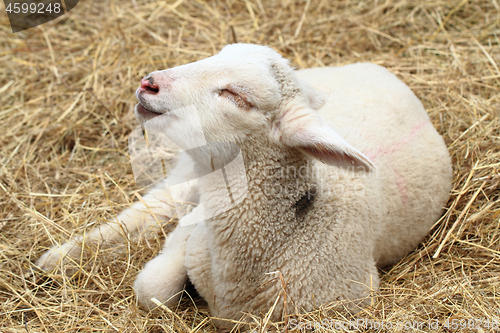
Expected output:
{"points": [[142, 114]]}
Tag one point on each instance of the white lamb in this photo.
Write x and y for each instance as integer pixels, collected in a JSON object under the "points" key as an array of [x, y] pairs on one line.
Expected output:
{"points": [[324, 228]]}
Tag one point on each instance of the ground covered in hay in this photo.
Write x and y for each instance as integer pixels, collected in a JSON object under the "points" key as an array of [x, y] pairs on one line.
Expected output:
{"points": [[67, 95]]}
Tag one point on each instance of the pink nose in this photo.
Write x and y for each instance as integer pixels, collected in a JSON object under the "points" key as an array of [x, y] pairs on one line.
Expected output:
{"points": [[148, 85]]}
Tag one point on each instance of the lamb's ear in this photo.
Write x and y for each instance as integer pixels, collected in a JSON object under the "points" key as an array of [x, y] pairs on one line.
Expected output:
{"points": [[301, 128]]}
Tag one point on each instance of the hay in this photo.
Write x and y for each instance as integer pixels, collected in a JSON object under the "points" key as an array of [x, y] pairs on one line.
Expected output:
{"points": [[66, 92]]}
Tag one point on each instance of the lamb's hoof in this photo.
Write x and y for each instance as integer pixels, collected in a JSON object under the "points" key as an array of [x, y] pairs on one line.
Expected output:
{"points": [[55, 257], [163, 279], [152, 294]]}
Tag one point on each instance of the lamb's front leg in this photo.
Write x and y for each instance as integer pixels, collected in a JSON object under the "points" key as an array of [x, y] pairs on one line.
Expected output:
{"points": [[165, 276], [142, 219]]}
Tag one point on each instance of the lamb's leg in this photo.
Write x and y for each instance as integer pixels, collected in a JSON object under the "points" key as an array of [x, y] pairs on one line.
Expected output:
{"points": [[165, 276], [199, 266], [199, 263], [142, 219]]}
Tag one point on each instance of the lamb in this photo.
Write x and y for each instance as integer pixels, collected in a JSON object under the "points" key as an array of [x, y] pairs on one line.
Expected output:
{"points": [[343, 173]]}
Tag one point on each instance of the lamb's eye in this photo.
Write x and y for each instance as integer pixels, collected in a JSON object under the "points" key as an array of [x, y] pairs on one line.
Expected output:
{"points": [[236, 98]]}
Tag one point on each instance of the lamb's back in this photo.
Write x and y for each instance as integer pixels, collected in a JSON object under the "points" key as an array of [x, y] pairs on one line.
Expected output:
{"points": [[380, 116]]}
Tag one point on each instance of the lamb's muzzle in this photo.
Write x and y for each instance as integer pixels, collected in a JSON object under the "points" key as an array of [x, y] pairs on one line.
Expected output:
{"points": [[144, 110]]}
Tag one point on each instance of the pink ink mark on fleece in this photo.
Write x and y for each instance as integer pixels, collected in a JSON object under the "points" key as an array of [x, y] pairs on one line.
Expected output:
{"points": [[401, 184], [392, 148]]}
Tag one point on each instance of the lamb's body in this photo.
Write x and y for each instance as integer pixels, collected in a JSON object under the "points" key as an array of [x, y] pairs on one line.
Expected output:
{"points": [[324, 228], [367, 219], [380, 116]]}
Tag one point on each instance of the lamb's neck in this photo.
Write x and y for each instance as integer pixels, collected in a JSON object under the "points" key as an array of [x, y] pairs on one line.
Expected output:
{"points": [[280, 190], [279, 174]]}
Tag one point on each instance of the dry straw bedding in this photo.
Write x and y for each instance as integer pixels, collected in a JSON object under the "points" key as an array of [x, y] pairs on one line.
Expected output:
{"points": [[66, 113]]}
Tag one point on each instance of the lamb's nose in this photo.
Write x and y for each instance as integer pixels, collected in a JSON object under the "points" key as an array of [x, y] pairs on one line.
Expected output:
{"points": [[148, 85]]}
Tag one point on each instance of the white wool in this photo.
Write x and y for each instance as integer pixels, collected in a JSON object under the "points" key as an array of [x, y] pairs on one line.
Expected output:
{"points": [[344, 173]]}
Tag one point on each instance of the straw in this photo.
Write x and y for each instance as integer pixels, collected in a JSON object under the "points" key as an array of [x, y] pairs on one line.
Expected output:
{"points": [[67, 95]]}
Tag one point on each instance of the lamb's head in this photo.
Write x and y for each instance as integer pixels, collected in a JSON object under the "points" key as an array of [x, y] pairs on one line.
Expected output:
{"points": [[244, 91]]}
